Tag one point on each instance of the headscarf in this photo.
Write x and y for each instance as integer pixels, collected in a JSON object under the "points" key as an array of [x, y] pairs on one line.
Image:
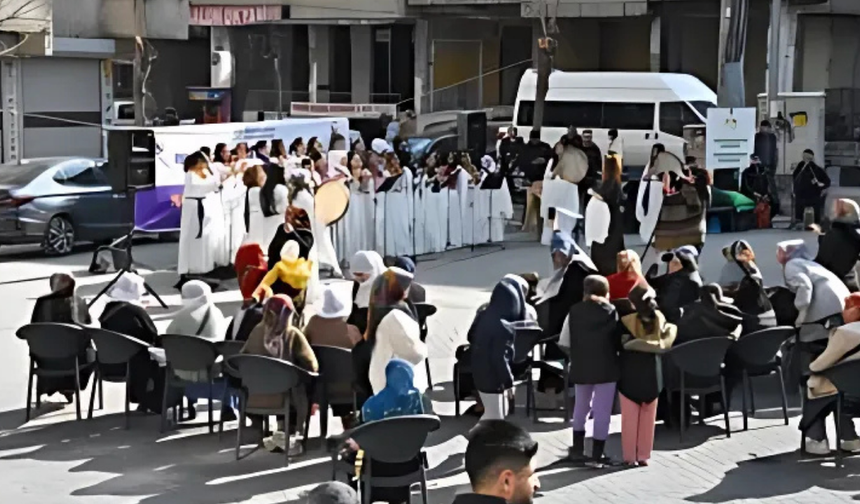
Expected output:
{"points": [[128, 288], [388, 293], [370, 263], [199, 316], [62, 304], [791, 249], [741, 262], [405, 263], [851, 312], [519, 283], [629, 261], [399, 397], [562, 242], [277, 315], [251, 267], [332, 492], [847, 211]]}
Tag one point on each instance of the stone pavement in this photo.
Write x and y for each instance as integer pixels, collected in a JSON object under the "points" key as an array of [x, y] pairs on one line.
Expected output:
{"points": [[54, 459]]}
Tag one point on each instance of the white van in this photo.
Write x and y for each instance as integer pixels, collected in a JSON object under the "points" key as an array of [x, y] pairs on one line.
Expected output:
{"points": [[646, 108]]}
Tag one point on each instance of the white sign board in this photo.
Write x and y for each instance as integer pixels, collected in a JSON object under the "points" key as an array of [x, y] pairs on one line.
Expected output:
{"points": [[730, 137]]}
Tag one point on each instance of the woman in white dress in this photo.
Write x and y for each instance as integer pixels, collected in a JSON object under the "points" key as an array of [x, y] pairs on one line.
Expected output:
{"points": [[254, 218], [274, 199], [435, 208], [201, 232]]}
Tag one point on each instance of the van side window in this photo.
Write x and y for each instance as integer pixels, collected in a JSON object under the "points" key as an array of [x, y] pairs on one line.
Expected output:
{"points": [[674, 116], [628, 116]]}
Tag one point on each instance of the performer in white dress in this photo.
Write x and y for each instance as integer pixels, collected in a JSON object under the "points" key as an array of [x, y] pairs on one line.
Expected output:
{"points": [[274, 198], [398, 216], [201, 232], [356, 229]]}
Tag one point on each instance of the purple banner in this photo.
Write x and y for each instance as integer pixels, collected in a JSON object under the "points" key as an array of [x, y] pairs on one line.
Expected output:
{"points": [[158, 209]]}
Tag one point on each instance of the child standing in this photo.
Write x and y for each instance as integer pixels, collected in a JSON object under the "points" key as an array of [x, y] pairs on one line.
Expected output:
{"points": [[594, 365]]}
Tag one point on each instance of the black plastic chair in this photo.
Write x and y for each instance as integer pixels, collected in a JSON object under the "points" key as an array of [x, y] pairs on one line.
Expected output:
{"points": [[51, 347], [755, 355], [699, 362], [336, 377], [228, 349], [188, 354], [375, 438], [460, 368], [114, 349], [262, 375], [425, 311], [525, 341], [844, 377]]}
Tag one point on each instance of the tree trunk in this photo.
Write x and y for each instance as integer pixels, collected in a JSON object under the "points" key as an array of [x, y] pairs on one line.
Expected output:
{"points": [[137, 81], [546, 51]]}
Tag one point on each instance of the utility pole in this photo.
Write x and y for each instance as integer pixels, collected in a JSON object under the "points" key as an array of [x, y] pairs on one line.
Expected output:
{"points": [[546, 52], [724, 35], [773, 54], [137, 82]]}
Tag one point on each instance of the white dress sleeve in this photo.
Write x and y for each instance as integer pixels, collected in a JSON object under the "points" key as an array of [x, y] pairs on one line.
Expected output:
{"points": [[282, 197]]}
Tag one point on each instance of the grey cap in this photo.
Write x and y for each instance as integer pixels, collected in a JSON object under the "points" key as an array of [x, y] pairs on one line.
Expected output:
{"points": [[332, 492]]}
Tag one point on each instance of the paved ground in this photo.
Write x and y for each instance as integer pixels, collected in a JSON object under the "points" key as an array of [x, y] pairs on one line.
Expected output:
{"points": [[57, 460]]}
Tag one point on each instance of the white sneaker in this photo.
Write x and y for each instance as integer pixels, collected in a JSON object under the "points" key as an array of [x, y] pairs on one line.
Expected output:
{"points": [[277, 441], [851, 445], [814, 447]]}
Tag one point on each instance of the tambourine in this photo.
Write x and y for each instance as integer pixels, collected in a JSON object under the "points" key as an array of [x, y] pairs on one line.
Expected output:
{"points": [[572, 165], [665, 162], [331, 201]]}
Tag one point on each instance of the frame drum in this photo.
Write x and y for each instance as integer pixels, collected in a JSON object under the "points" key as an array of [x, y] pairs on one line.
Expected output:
{"points": [[331, 201]]}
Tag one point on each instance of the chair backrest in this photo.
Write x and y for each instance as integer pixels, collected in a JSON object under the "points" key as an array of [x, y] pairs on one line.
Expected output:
{"points": [[524, 342], [113, 347], [409, 431], [228, 349], [335, 364], [189, 353], [702, 357], [49, 340], [760, 347], [425, 311], [844, 377], [267, 375]]}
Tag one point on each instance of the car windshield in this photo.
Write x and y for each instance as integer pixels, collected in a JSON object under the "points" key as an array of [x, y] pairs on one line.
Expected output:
{"points": [[418, 147], [702, 107], [14, 174]]}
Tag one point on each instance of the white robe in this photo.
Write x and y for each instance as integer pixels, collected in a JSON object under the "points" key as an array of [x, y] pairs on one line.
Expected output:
{"points": [[648, 217], [233, 195], [273, 222], [436, 220], [256, 221], [203, 254], [355, 230], [398, 217]]}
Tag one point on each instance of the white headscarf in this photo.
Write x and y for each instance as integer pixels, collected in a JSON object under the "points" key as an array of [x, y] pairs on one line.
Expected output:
{"points": [[199, 316], [128, 287], [370, 263]]}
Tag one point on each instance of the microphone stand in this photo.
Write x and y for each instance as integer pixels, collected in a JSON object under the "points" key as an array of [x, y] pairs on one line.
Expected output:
{"points": [[489, 242]]}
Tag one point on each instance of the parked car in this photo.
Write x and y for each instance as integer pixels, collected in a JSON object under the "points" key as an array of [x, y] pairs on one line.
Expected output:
{"points": [[57, 202]]}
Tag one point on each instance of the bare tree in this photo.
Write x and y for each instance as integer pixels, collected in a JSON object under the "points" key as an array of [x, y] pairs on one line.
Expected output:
{"points": [[546, 52], [25, 17]]}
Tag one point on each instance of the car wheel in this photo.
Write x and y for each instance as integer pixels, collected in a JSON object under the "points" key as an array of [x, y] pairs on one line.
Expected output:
{"points": [[59, 237]]}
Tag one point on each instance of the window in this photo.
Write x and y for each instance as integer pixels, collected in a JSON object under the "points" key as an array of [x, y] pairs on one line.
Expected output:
{"points": [[585, 115], [14, 174], [674, 116], [702, 108], [80, 172], [628, 116], [446, 144], [125, 112]]}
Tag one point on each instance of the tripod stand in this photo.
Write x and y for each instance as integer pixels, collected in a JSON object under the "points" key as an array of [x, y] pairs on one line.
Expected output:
{"points": [[122, 258], [492, 183]]}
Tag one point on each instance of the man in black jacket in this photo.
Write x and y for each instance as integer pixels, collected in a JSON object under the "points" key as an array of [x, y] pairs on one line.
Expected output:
{"points": [[500, 462], [810, 183]]}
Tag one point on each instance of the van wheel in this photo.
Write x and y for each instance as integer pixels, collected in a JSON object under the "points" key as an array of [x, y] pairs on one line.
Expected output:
{"points": [[59, 237]]}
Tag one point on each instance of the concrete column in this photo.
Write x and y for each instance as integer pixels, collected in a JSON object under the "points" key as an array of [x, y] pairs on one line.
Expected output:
{"points": [[10, 84], [787, 47], [655, 44], [361, 37], [319, 58], [422, 58]]}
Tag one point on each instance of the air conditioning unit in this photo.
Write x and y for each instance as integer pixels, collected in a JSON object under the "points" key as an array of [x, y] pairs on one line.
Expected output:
{"points": [[221, 75]]}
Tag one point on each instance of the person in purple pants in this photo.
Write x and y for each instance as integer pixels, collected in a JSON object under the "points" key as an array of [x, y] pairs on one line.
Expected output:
{"points": [[594, 343]]}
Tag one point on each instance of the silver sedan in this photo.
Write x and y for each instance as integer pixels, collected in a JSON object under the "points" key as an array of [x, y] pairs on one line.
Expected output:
{"points": [[57, 202]]}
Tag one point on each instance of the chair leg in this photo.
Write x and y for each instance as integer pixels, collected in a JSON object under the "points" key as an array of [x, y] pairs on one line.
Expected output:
{"points": [[224, 397], [744, 391], [93, 395], [241, 424], [323, 420], [683, 416], [752, 393], [30, 389], [784, 397], [127, 395], [838, 422], [669, 420], [287, 430], [77, 389], [424, 494], [702, 407], [429, 378], [101, 384], [164, 399], [531, 385], [456, 390], [724, 402], [566, 388], [211, 413]]}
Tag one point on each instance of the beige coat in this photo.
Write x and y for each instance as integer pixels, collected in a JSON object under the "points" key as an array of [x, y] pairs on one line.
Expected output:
{"points": [[331, 332], [843, 340]]}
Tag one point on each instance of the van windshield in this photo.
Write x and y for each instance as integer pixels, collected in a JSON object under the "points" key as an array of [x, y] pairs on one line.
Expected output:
{"points": [[608, 115], [702, 107]]}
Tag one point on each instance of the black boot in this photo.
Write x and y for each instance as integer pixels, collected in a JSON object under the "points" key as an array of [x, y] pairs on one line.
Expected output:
{"points": [[597, 461], [576, 453]]}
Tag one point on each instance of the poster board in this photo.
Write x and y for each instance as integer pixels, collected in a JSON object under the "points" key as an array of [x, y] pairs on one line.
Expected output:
{"points": [[730, 138]]}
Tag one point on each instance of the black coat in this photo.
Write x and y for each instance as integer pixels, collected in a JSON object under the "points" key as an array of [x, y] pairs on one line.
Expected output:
{"points": [[552, 312], [641, 376], [839, 249], [703, 320], [675, 291], [605, 254], [253, 317], [595, 340], [805, 176], [765, 148], [492, 340]]}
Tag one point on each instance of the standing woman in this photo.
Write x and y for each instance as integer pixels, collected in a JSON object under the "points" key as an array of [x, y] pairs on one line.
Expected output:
{"points": [[359, 219], [605, 254], [365, 266], [274, 199], [278, 154], [297, 147], [255, 221], [201, 231]]}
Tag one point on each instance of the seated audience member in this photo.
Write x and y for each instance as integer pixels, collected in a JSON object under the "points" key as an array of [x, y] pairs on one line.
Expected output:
{"points": [[332, 492], [500, 462], [647, 335], [251, 267], [629, 274], [839, 248], [63, 306], [564, 288], [594, 365], [125, 315], [365, 266], [842, 346], [818, 292], [417, 293], [741, 279], [329, 327], [276, 337], [680, 285], [708, 317], [491, 353]]}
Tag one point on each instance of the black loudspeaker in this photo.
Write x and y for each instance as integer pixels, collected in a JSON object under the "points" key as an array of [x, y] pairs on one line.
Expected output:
{"points": [[472, 132], [131, 159]]}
